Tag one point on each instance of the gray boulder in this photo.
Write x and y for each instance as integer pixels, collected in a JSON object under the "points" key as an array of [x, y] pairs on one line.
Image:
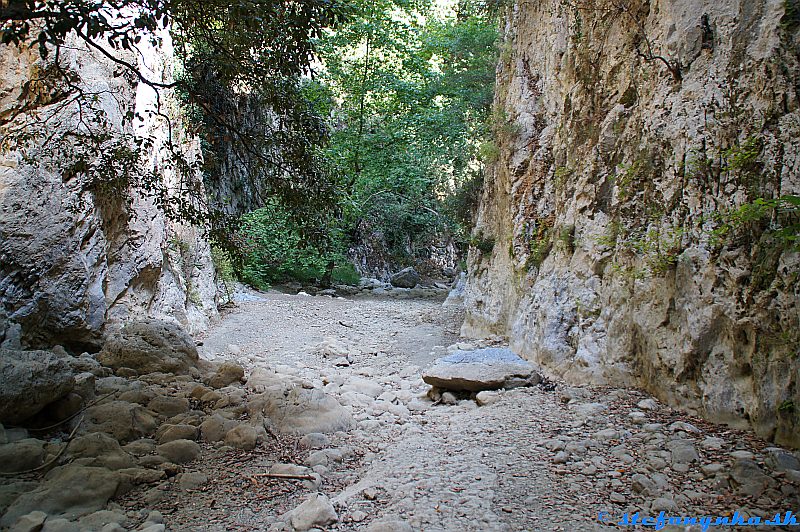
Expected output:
{"points": [[150, 346], [69, 491], [29, 381], [122, 420], [99, 450], [482, 369], [316, 512], [179, 451], [406, 278], [227, 373], [297, 410], [21, 455]]}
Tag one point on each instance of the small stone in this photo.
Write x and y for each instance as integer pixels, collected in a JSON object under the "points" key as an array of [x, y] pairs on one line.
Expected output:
{"points": [[315, 440], [316, 511], [21, 455], [683, 451], [685, 427], [389, 525], [63, 525], [780, 460], [662, 504], [227, 373], [712, 444], [211, 397], [168, 406], [637, 417], [486, 398], [167, 433], [607, 434], [642, 484], [449, 399], [710, 470], [647, 404], [617, 498], [562, 457], [742, 455], [370, 493]]}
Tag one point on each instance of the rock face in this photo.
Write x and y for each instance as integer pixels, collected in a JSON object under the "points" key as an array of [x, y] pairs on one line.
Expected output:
{"points": [[612, 252], [72, 259], [407, 278], [29, 381], [150, 346], [474, 371]]}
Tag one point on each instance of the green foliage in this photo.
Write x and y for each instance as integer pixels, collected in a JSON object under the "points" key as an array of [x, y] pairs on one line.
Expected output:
{"points": [[482, 243], [782, 216], [627, 177], [790, 20], [407, 90], [786, 406], [566, 235], [224, 268], [540, 242], [274, 251], [659, 249], [562, 175], [743, 156]]}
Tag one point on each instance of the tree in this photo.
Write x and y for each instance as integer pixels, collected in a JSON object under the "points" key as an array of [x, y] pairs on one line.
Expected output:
{"points": [[229, 51], [411, 90]]}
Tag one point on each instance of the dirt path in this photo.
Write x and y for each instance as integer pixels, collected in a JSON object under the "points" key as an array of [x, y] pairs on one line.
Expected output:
{"points": [[541, 458]]}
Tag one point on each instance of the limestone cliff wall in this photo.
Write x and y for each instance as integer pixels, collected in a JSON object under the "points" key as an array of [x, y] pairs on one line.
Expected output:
{"points": [[608, 247], [73, 260]]}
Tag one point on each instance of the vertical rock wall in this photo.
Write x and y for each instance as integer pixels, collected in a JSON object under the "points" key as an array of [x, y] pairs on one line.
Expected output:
{"points": [[74, 262], [627, 134]]}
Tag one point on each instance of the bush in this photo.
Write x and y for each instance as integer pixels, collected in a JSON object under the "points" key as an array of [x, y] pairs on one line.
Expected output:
{"points": [[274, 251]]}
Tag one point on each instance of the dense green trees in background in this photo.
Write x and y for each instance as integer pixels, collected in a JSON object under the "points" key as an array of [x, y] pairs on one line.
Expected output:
{"points": [[406, 88]]}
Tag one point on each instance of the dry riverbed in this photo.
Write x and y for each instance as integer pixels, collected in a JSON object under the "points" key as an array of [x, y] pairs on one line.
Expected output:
{"points": [[548, 457]]}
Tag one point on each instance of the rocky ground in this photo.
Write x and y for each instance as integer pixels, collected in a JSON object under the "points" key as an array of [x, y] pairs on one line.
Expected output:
{"points": [[316, 417]]}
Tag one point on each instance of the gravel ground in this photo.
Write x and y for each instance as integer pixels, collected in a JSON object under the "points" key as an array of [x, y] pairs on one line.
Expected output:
{"points": [[551, 457]]}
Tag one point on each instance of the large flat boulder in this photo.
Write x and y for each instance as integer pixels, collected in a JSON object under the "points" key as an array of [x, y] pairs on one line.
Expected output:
{"points": [[29, 381], [483, 369], [151, 346]]}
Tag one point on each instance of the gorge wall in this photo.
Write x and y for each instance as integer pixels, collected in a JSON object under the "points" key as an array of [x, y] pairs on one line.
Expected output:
{"points": [[74, 260], [611, 244]]}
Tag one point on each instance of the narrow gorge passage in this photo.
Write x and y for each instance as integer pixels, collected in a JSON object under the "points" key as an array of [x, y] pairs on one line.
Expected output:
{"points": [[549, 457]]}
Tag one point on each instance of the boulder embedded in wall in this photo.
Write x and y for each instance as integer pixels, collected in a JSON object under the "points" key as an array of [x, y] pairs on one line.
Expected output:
{"points": [[482, 369], [150, 346], [407, 278], [29, 381]]}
